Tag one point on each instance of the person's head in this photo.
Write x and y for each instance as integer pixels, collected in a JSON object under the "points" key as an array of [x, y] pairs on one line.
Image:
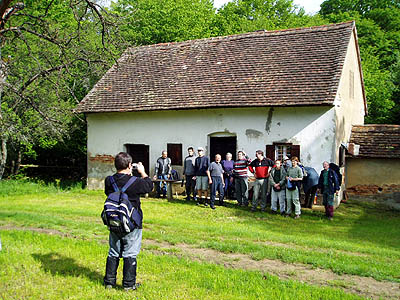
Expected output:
{"points": [[164, 154], [217, 158], [260, 154], [191, 151], [241, 155], [286, 158], [228, 156], [325, 164], [295, 160], [278, 164], [200, 151], [122, 161]]}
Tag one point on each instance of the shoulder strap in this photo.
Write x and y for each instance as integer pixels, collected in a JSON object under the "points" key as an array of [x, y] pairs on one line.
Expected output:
{"points": [[128, 184], [114, 185]]}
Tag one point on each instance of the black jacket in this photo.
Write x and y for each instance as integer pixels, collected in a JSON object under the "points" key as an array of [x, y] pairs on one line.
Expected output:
{"points": [[140, 186]]}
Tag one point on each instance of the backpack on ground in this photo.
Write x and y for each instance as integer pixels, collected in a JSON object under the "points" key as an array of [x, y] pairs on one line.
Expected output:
{"points": [[175, 175], [118, 210]]}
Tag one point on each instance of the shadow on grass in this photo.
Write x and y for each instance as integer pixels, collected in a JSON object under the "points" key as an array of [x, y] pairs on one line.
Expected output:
{"points": [[58, 264]]}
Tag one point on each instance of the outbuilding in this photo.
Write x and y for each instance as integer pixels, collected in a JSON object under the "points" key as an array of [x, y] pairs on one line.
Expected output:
{"points": [[291, 92]]}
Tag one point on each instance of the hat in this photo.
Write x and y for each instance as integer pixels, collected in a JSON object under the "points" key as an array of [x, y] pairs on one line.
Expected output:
{"points": [[286, 158], [200, 149]]}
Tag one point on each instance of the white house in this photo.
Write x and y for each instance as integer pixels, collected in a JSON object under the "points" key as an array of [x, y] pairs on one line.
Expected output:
{"points": [[296, 92]]}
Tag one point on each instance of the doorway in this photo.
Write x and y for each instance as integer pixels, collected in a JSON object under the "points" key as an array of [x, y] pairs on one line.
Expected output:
{"points": [[139, 153], [222, 145]]}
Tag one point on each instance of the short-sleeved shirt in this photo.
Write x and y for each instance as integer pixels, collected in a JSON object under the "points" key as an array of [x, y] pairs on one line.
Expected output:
{"points": [[215, 169]]}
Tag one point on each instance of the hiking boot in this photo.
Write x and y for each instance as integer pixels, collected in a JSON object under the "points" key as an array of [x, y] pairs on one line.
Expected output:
{"points": [[296, 216], [129, 273], [110, 278], [212, 206]]}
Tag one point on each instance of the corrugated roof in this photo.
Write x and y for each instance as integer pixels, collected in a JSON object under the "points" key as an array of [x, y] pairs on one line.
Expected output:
{"points": [[264, 68]]}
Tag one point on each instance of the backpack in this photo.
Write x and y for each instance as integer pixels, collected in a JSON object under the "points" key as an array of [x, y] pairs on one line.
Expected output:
{"points": [[175, 175], [118, 210], [336, 169]]}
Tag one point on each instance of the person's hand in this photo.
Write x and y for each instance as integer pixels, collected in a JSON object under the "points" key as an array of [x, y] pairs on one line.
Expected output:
{"points": [[155, 177], [276, 185], [210, 181], [194, 177], [337, 192], [140, 169]]}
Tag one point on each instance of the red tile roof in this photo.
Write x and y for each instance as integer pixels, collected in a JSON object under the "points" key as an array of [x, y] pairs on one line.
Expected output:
{"points": [[377, 141], [263, 68]]}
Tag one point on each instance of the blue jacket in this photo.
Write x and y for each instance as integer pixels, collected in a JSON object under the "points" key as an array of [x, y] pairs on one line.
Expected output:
{"points": [[333, 182]]}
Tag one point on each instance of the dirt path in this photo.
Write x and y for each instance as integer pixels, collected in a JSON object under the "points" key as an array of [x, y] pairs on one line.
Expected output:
{"points": [[363, 286]]}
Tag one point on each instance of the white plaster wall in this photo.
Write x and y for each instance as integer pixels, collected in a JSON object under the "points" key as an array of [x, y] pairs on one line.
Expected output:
{"points": [[348, 111], [311, 127]]}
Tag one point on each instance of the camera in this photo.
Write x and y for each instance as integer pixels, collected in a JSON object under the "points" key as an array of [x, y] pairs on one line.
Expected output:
{"points": [[135, 166]]}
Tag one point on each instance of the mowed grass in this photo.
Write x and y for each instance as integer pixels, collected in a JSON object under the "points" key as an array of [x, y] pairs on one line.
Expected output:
{"points": [[363, 239]]}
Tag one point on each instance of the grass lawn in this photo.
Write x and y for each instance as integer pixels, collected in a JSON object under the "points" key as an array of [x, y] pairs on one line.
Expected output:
{"points": [[61, 253]]}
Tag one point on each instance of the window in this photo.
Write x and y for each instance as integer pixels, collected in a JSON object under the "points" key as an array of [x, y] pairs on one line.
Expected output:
{"points": [[175, 153], [279, 151], [351, 85]]}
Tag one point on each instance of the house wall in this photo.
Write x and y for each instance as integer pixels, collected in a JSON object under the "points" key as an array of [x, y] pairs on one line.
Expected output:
{"points": [[349, 107], [366, 176], [311, 127]]}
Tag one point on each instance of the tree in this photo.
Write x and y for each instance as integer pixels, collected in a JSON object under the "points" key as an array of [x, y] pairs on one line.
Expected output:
{"points": [[52, 53]]}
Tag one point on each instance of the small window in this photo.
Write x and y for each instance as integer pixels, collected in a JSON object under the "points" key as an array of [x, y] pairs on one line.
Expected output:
{"points": [[175, 153], [279, 151], [351, 85]]}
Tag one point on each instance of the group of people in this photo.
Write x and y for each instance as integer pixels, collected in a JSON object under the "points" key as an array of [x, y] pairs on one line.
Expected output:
{"points": [[277, 180], [223, 176]]}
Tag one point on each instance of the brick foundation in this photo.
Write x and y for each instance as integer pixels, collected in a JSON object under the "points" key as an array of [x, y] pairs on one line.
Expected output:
{"points": [[372, 189]]}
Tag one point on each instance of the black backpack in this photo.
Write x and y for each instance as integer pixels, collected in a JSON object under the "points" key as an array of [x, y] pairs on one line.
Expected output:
{"points": [[118, 211], [175, 175], [336, 168]]}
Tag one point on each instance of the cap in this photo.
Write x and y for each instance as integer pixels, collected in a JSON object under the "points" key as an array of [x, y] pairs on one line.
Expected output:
{"points": [[200, 149], [285, 158]]}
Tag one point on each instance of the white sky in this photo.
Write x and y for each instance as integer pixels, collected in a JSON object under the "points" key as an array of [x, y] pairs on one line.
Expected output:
{"points": [[310, 6]]}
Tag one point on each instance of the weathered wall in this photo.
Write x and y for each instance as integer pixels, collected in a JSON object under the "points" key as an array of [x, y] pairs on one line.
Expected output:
{"points": [[349, 107], [365, 176], [311, 127]]}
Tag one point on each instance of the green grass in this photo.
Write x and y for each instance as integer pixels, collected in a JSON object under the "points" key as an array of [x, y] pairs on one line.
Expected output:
{"points": [[363, 239]]}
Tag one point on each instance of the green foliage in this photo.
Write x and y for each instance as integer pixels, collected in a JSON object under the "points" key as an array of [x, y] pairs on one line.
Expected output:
{"points": [[378, 28]]}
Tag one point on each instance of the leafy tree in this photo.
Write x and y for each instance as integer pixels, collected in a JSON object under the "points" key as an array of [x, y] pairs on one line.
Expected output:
{"points": [[53, 51]]}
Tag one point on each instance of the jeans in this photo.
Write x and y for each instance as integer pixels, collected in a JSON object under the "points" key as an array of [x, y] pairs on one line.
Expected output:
{"points": [[293, 196], [229, 186], [125, 246], [217, 185], [190, 186], [162, 186], [242, 190], [260, 184], [278, 196]]}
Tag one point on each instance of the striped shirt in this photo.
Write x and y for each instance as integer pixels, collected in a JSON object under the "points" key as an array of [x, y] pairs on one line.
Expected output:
{"points": [[240, 168]]}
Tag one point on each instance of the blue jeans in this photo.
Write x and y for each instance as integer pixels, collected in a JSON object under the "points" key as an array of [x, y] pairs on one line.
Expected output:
{"points": [[217, 185], [162, 185], [126, 246]]}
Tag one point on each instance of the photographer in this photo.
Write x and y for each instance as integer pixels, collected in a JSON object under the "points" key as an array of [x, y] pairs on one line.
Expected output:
{"points": [[126, 246]]}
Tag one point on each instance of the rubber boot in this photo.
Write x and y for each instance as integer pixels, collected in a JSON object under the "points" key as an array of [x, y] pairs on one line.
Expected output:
{"points": [[110, 278], [129, 271]]}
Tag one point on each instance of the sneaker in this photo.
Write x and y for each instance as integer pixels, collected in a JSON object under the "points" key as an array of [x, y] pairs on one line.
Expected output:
{"points": [[197, 203], [330, 218], [296, 216], [212, 206], [205, 204], [109, 287], [132, 288]]}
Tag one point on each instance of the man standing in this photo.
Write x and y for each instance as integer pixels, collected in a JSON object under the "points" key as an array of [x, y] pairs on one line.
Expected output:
{"points": [[227, 165], [328, 184], [126, 246], [277, 180], [162, 172], [216, 179], [241, 179], [293, 177], [201, 171], [261, 167], [189, 172]]}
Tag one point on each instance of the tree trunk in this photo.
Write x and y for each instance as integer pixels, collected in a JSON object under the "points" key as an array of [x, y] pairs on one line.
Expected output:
{"points": [[18, 162], [3, 156]]}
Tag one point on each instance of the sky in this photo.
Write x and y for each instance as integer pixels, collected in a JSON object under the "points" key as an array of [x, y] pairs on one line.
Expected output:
{"points": [[310, 6]]}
